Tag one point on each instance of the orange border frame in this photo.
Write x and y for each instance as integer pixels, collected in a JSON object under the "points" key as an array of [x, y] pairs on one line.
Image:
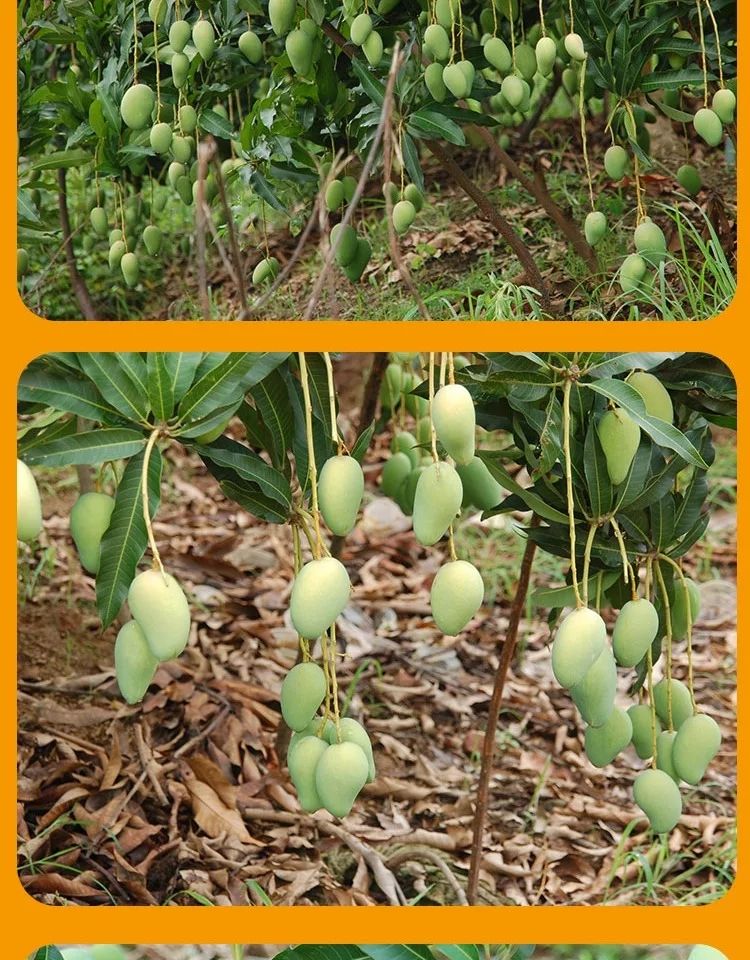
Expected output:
{"points": [[722, 924]]}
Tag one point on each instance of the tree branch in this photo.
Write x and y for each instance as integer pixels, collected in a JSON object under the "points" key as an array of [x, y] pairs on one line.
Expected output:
{"points": [[77, 282]]}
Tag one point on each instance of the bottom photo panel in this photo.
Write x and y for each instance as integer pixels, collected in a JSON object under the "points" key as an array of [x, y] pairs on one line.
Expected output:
{"points": [[392, 951], [366, 628]]}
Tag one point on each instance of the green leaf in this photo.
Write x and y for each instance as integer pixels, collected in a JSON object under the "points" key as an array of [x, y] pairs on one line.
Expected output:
{"points": [[226, 382], [49, 952], [598, 484], [116, 385], [272, 403], [215, 124], [362, 443], [160, 386], [230, 455], [374, 89], [558, 597], [125, 541], [532, 500], [661, 432], [63, 393], [181, 368], [396, 951], [62, 159], [427, 124], [92, 447]]}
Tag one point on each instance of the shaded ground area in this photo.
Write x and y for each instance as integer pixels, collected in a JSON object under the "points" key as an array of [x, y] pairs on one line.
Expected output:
{"points": [[186, 798]]}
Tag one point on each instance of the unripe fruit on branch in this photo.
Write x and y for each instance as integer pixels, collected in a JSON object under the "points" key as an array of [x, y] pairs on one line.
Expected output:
{"points": [[701, 952], [361, 28], [397, 468], [658, 796], [404, 442], [724, 104], [633, 273], [188, 119], [161, 138], [299, 49], [616, 162], [526, 61], [655, 396], [373, 48], [317, 727], [644, 735], [619, 436], [135, 664], [673, 702], [137, 105], [303, 762], [356, 267], [28, 505], [664, 746], [340, 490], [185, 190], [174, 172], [281, 14], [392, 385], [204, 39], [679, 608], [334, 194], [513, 90], [437, 502], [456, 595], [650, 242], [437, 44], [251, 47], [157, 11], [179, 35], [347, 245], [180, 66], [574, 47], [579, 641], [604, 743], [433, 80], [498, 55], [130, 268], [320, 592], [349, 183], [353, 732], [116, 252], [413, 194], [89, 521], [161, 609], [696, 744], [594, 695], [153, 239], [302, 692], [708, 126], [689, 179], [447, 12], [98, 217], [635, 630], [341, 773], [595, 227], [456, 81], [546, 55], [403, 216], [454, 418], [182, 149], [22, 262], [267, 269], [481, 490]]}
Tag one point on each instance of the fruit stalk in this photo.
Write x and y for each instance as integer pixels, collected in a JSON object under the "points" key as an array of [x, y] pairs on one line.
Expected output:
{"points": [[668, 625], [433, 434], [587, 560], [488, 745], [569, 485], [312, 469], [144, 499], [689, 622], [335, 435]]}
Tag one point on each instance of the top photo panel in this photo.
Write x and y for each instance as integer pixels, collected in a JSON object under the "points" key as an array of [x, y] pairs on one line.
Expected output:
{"points": [[390, 160]]}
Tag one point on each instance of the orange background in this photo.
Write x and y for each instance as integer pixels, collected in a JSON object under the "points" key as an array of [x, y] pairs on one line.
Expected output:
{"points": [[28, 924]]}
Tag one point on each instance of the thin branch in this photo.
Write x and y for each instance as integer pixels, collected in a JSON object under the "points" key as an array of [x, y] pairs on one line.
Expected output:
{"points": [[77, 282], [239, 270]]}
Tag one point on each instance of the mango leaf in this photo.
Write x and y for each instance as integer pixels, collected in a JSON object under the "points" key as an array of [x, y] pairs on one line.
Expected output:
{"points": [[49, 952], [426, 124], [396, 951], [160, 386], [662, 514], [558, 597], [181, 368], [228, 454], [228, 380], [532, 500], [215, 124], [125, 541], [271, 399], [598, 483], [91, 447], [373, 88], [116, 385], [362, 443], [62, 159], [63, 393]]}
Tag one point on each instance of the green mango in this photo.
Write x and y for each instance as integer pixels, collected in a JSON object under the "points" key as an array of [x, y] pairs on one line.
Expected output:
{"points": [[303, 762], [633, 274], [116, 252], [456, 595], [708, 126], [437, 43], [153, 239], [161, 138], [356, 267], [175, 172], [604, 743], [130, 268], [185, 190], [396, 469], [701, 952], [446, 12], [481, 490], [349, 184], [89, 521], [281, 14], [454, 418], [424, 435], [643, 737], [404, 442], [416, 405], [682, 594], [526, 61], [437, 502], [619, 436], [689, 179], [546, 55], [433, 80], [340, 489], [407, 490], [659, 798], [135, 664], [342, 771], [724, 104], [266, 269], [204, 39], [574, 47], [179, 35], [334, 194], [98, 217], [594, 695], [616, 162], [157, 11], [299, 49], [302, 692], [696, 743], [182, 149], [392, 386], [664, 746], [373, 48], [350, 731], [403, 216], [680, 702], [319, 594], [579, 641], [513, 90], [413, 194], [188, 119], [654, 394], [22, 263], [251, 47], [161, 610], [361, 28], [650, 242], [635, 630], [28, 505], [595, 227], [180, 66], [346, 250], [137, 105]]}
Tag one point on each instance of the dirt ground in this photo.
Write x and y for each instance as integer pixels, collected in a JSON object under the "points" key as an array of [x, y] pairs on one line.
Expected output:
{"points": [[186, 798]]}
